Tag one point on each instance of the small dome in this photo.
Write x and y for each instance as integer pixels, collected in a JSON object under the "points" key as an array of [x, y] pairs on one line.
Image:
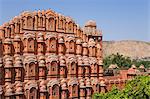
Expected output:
{"points": [[41, 58], [62, 62], [102, 83], [142, 66], [133, 66], [91, 42], [40, 34], [42, 62], [90, 23], [61, 40], [113, 66], [78, 41], [84, 44]]}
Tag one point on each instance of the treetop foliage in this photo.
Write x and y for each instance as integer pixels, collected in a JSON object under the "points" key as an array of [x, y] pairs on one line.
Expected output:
{"points": [[123, 62], [138, 88]]}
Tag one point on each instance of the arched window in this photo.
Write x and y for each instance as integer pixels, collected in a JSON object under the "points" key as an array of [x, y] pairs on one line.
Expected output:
{"points": [[29, 22], [55, 92], [33, 93], [71, 46], [40, 21], [61, 24], [32, 69], [52, 24], [70, 27], [53, 45], [54, 67], [75, 90], [8, 48], [31, 45], [73, 68]]}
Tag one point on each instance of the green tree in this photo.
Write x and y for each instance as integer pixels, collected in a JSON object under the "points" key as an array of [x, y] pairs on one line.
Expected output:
{"points": [[139, 62], [120, 60], [138, 88], [123, 61]]}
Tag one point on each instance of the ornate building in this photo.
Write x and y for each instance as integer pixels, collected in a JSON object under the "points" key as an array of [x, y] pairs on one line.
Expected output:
{"points": [[45, 55]]}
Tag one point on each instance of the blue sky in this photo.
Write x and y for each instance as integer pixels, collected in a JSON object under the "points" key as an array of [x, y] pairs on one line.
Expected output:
{"points": [[118, 19]]}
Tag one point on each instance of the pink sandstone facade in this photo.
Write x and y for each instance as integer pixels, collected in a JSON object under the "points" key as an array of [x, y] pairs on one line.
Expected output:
{"points": [[45, 55]]}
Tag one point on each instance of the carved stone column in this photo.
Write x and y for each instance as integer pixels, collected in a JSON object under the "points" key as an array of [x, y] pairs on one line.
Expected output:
{"points": [[43, 92], [88, 89], [64, 90], [19, 91], [82, 89]]}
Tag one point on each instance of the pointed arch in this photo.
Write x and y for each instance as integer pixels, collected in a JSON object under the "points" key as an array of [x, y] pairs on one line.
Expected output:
{"points": [[70, 27], [30, 44], [55, 91], [29, 22], [51, 24], [53, 44], [33, 93]]}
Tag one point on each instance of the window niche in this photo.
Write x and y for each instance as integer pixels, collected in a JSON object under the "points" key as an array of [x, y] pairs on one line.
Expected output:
{"points": [[75, 90], [29, 22], [33, 93], [73, 68], [61, 24], [51, 24], [31, 45], [55, 92], [53, 45], [32, 69], [70, 27], [54, 68], [71, 46]]}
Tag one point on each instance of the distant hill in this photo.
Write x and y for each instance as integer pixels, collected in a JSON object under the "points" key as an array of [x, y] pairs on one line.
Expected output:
{"points": [[133, 49]]}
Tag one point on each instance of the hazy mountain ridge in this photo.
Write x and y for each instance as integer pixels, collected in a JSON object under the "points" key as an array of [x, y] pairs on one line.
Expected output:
{"points": [[131, 48]]}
